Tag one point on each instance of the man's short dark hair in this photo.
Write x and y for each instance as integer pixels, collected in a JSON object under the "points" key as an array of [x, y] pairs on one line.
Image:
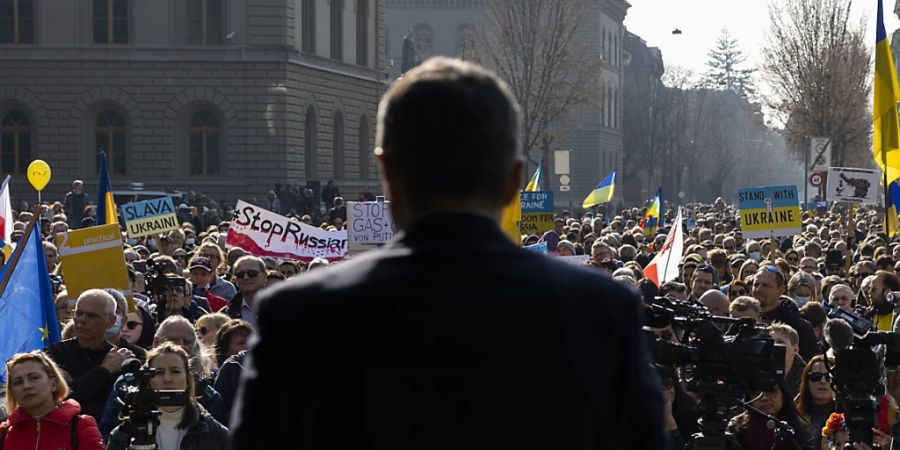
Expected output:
{"points": [[706, 268], [451, 128]]}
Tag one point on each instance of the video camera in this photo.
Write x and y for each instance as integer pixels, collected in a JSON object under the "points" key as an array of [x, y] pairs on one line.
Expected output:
{"points": [[141, 403], [723, 366], [860, 324], [158, 282]]}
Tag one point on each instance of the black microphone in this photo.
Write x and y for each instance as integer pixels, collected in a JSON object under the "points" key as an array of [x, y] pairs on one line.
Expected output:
{"points": [[131, 365], [656, 316]]}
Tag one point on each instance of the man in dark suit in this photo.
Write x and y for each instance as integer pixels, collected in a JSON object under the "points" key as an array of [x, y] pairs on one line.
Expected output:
{"points": [[451, 336]]}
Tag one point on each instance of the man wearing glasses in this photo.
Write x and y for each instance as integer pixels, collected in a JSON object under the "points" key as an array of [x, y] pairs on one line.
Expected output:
{"points": [[449, 337], [88, 359]]}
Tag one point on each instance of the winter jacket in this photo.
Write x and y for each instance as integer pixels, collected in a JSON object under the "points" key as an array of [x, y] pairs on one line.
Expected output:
{"points": [[787, 313], [51, 432], [203, 433]]}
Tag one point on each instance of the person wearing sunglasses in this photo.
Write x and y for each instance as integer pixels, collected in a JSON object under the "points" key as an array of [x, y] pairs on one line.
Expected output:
{"points": [[207, 326], [250, 277], [736, 289], [816, 400]]}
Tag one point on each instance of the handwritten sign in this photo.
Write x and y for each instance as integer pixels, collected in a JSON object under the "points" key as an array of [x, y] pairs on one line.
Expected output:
{"points": [[369, 224], [537, 212], [148, 217]]}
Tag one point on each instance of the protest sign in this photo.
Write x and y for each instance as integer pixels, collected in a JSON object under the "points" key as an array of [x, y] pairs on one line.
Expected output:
{"points": [[846, 184], [537, 212], [148, 217], [577, 260], [540, 247], [93, 258], [369, 224], [263, 233], [769, 211]]}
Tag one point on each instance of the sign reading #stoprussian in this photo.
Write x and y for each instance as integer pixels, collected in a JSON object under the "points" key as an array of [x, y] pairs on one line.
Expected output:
{"points": [[768, 211]]}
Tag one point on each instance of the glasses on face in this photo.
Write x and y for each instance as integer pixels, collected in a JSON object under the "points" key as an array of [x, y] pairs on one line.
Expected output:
{"points": [[816, 377], [246, 274], [202, 331], [84, 314], [738, 292], [132, 324]]}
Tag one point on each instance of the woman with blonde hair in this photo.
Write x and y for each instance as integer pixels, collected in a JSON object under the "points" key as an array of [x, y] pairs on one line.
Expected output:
{"points": [[40, 417]]}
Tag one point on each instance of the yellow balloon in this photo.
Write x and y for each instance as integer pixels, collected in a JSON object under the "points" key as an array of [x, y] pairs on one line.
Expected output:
{"points": [[38, 174]]}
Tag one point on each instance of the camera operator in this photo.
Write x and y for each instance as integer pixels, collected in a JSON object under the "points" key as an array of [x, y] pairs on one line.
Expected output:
{"points": [[793, 362], [178, 331], [187, 427]]}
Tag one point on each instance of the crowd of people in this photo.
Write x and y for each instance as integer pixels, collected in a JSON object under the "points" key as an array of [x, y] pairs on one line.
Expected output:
{"points": [[518, 350]]}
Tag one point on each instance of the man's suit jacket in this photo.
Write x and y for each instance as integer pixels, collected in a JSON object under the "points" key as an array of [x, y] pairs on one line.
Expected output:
{"points": [[450, 337]]}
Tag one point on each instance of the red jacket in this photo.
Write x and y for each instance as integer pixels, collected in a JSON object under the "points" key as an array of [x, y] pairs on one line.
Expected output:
{"points": [[53, 431]]}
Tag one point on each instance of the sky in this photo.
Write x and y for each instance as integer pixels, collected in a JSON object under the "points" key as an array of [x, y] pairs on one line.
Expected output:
{"points": [[702, 21]]}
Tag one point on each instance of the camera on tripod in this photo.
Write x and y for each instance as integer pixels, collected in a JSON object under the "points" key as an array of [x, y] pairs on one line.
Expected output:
{"points": [[723, 367], [141, 403], [857, 376]]}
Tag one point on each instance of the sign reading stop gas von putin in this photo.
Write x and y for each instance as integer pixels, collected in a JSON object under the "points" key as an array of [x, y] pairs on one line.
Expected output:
{"points": [[769, 211]]}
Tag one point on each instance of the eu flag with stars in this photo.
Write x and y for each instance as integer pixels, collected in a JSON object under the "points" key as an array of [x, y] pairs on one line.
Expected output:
{"points": [[27, 315]]}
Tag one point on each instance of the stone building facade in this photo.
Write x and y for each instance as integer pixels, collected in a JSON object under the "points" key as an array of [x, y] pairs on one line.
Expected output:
{"points": [[592, 134], [227, 98]]}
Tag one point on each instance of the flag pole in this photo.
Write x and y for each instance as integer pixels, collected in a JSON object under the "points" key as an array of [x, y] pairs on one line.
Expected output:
{"points": [[18, 253], [669, 256], [887, 223]]}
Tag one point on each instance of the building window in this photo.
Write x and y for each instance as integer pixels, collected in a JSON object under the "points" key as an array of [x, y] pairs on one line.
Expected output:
{"points": [[110, 21], [362, 32], [205, 21], [109, 132], [204, 137], [311, 141], [609, 106], [17, 21], [337, 29], [468, 44], [15, 142], [424, 37], [338, 143], [308, 18], [364, 150]]}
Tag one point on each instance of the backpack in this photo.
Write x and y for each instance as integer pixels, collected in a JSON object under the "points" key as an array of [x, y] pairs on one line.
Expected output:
{"points": [[73, 425]]}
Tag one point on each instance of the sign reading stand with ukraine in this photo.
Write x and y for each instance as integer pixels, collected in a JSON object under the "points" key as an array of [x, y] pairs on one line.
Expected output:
{"points": [[769, 211]]}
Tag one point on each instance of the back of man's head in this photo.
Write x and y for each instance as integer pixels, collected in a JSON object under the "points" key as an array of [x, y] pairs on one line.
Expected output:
{"points": [[450, 131]]}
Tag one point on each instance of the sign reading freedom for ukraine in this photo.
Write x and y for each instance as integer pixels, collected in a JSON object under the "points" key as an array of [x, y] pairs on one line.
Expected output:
{"points": [[150, 217], [537, 212], [263, 233], [769, 211]]}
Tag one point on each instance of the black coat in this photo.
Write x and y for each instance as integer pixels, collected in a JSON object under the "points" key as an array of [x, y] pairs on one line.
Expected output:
{"points": [[450, 337], [787, 312]]}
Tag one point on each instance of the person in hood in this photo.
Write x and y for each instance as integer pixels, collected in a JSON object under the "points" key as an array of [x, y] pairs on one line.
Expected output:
{"points": [[41, 417], [768, 288]]}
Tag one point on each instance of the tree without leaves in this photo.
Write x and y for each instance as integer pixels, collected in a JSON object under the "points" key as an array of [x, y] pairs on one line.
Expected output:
{"points": [[539, 48], [818, 66], [725, 68]]}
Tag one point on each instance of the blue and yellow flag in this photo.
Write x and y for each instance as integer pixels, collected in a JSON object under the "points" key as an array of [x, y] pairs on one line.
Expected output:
{"points": [[891, 225], [106, 205], [887, 95], [651, 219], [603, 193], [26, 302], [534, 184]]}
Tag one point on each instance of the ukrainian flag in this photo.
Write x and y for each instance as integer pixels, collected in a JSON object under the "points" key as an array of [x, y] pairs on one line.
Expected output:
{"points": [[884, 115], [106, 205], [887, 94], [603, 193], [534, 184], [651, 219], [891, 226]]}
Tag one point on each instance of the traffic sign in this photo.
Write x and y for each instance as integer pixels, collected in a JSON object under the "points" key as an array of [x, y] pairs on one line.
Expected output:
{"points": [[816, 179]]}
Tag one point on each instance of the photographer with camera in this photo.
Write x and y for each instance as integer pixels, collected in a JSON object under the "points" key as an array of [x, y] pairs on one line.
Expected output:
{"points": [[181, 427]]}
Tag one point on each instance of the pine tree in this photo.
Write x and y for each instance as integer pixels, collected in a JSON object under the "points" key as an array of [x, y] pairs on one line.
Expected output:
{"points": [[725, 68]]}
